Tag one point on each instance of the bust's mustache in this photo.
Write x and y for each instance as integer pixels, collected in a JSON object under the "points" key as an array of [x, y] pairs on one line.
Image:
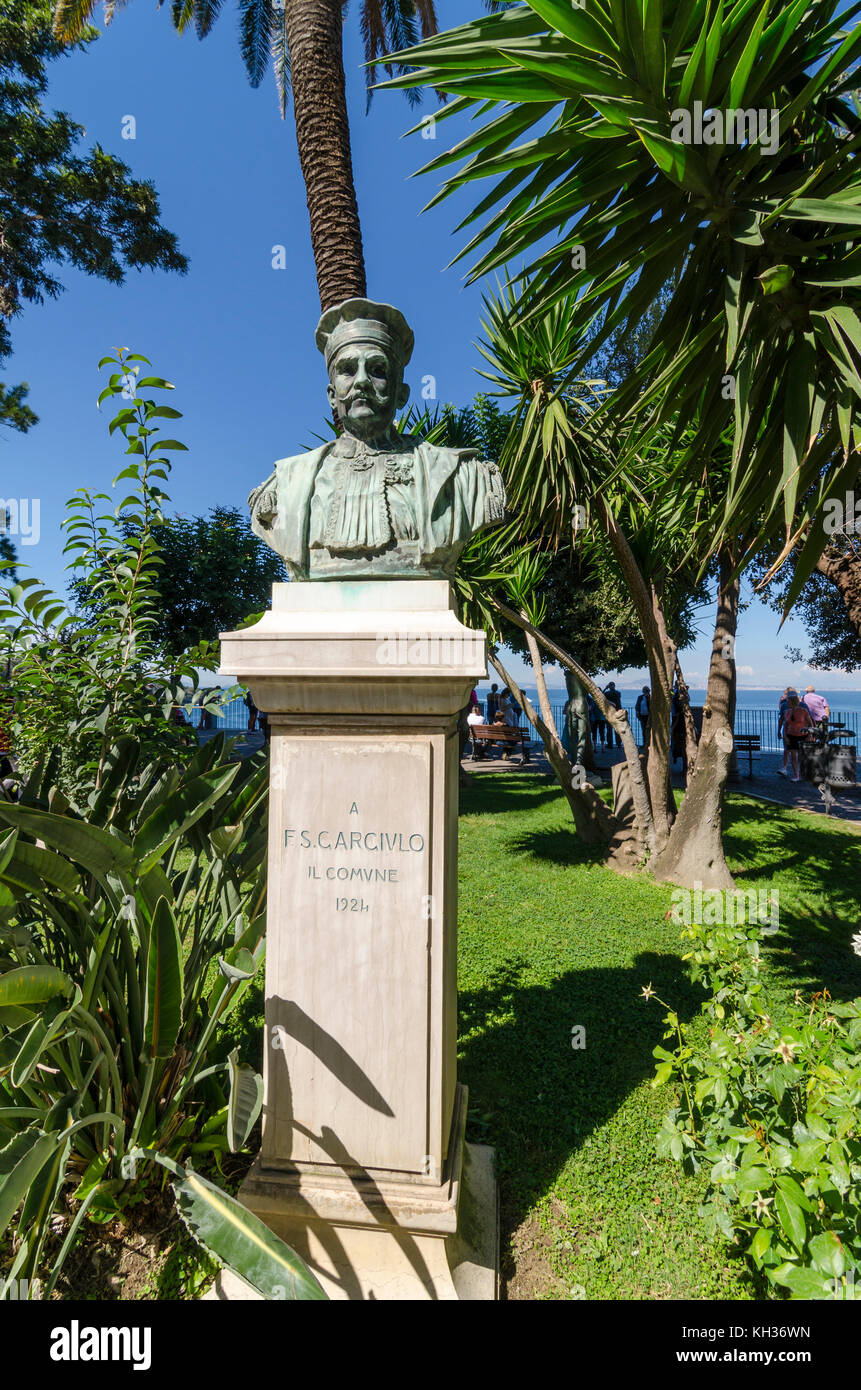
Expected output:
{"points": [[363, 398]]}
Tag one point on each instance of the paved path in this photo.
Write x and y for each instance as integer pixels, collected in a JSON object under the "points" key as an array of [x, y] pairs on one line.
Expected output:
{"points": [[765, 784]]}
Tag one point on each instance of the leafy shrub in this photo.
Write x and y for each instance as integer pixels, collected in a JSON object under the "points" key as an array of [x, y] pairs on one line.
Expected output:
{"points": [[132, 905], [79, 683], [772, 1112]]}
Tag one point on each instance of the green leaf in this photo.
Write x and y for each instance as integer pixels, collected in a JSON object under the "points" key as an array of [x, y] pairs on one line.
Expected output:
{"points": [[240, 1240], [826, 1251], [17, 1182], [654, 51], [33, 868], [753, 1179], [776, 278], [760, 1243], [7, 848], [40, 1036], [791, 1219], [739, 80], [163, 1012], [92, 1175], [180, 812], [803, 1283], [33, 984], [245, 1101], [89, 845], [241, 966]]}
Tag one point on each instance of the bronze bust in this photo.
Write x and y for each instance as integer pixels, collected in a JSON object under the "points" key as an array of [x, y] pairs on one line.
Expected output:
{"points": [[373, 503]]}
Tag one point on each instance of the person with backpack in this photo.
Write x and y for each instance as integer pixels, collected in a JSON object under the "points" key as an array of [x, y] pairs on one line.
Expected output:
{"points": [[642, 707], [796, 723]]}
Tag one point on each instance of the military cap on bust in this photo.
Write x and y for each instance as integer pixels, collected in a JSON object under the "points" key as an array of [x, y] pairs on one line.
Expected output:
{"points": [[363, 321]]}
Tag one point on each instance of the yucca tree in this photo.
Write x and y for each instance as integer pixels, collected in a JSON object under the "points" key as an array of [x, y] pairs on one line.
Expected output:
{"points": [[302, 41], [559, 464], [710, 142]]}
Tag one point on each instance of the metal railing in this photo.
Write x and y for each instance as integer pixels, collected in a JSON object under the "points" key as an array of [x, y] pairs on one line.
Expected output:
{"points": [[234, 718], [747, 721]]}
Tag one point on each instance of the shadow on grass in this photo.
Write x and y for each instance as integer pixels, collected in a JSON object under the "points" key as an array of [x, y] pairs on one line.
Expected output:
{"points": [[558, 847], [540, 1097], [495, 793], [818, 906]]}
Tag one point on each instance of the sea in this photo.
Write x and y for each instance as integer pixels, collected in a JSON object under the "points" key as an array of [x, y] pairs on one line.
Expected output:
{"points": [[756, 708], [747, 697]]}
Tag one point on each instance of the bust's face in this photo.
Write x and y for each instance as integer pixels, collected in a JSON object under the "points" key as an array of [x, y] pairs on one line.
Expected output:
{"points": [[366, 389]]}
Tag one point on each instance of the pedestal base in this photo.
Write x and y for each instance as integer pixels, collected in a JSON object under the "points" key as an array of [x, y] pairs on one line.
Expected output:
{"points": [[363, 1168], [385, 1239]]}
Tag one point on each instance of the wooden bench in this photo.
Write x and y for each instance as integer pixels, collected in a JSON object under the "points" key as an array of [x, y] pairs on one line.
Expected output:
{"points": [[482, 734], [749, 744]]}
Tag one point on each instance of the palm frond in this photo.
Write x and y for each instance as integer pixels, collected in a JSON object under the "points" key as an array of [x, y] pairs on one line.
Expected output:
{"points": [[182, 14], [281, 60], [257, 18], [206, 13], [71, 18], [393, 24]]}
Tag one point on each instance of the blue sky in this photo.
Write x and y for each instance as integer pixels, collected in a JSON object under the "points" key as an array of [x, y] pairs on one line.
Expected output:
{"points": [[236, 335]]}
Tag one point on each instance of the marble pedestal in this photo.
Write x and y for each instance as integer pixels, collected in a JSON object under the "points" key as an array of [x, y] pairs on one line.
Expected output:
{"points": [[363, 1167]]}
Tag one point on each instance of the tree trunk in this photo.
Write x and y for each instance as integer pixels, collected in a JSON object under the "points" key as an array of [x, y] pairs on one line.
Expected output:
{"points": [[314, 41], [657, 768], [695, 854], [592, 820], [844, 571], [645, 824]]}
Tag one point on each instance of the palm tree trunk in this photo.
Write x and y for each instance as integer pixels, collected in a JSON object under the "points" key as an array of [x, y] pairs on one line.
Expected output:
{"points": [[314, 40]]}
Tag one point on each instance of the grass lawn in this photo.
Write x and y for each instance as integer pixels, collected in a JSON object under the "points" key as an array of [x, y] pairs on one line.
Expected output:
{"points": [[549, 939]]}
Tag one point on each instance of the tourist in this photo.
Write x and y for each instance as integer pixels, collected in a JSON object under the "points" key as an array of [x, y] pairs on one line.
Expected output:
{"points": [[678, 731], [492, 704], [597, 723], [615, 700], [817, 704], [644, 701], [252, 712], [474, 719], [781, 726], [796, 724]]}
